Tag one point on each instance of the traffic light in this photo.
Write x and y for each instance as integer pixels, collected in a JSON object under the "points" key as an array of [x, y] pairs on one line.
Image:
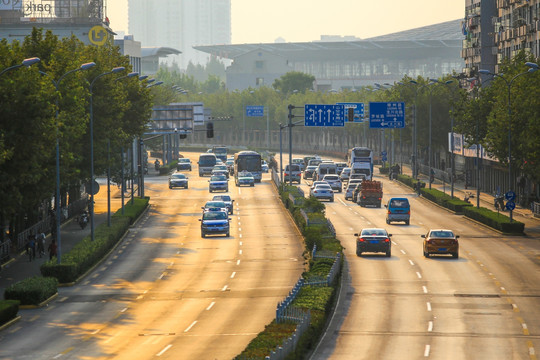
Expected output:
{"points": [[209, 130], [350, 114]]}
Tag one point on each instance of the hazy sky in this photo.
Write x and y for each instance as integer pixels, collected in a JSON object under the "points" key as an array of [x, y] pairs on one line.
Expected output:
{"points": [[263, 21]]}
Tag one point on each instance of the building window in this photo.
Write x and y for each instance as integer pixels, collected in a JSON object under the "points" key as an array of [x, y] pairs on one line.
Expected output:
{"points": [[259, 64]]}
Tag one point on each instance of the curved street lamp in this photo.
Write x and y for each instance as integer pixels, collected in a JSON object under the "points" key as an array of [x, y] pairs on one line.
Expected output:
{"points": [[533, 68], [26, 62], [57, 197], [113, 71]]}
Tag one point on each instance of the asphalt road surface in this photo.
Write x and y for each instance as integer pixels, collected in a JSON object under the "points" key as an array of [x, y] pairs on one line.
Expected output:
{"points": [[167, 293]]}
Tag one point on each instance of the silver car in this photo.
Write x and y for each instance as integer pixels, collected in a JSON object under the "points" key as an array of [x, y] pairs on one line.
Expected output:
{"points": [[349, 191], [334, 181], [323, 191]]}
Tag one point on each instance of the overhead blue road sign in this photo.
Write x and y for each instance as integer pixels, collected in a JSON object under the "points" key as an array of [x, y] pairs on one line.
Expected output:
{"points": [[358, 110], [510, 195], [255, 111], [386, 114], [324, 115]]}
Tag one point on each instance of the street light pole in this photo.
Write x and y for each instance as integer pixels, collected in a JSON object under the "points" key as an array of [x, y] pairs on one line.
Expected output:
{"points": [[57, 196], [447, 83], [509, 86], [92, 225], [26, 62]]}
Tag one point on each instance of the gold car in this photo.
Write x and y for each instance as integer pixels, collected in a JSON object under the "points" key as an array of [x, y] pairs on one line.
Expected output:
{"points": [[441, 241]]}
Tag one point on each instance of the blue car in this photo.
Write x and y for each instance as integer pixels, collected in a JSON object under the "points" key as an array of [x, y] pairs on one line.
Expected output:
{"points": [[218, 182], [214, 222]]}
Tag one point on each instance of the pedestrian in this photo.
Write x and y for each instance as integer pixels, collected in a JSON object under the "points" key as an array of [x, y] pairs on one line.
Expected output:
{"points": [[41, 244], [31, 247], [52, 249]]}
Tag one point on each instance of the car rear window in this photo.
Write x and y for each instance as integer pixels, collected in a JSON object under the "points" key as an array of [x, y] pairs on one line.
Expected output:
{"points": [[399, 203], [443, 234], [331, 177]]}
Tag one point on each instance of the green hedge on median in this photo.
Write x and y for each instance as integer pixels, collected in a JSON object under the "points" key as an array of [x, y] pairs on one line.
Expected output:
{"points": [[8, 310], [32, 291]]}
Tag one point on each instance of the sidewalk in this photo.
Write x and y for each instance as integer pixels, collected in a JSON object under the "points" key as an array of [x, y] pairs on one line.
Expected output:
{"points": [[532, 224], [20, 267]]}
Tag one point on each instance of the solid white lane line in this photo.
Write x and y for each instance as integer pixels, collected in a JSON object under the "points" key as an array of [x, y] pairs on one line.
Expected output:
{"points": [[163, 351], [239, 252], [424, 289], [419, 275], [426, 351], [211, 305], [343, 202], [428, 306], [430, 326], [123, 310], [233, 274], [237, 262], [411, 262], [190, 326], [403, 252]]}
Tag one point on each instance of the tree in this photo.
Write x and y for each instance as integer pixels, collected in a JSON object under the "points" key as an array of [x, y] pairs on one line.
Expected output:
{"points": [[294, 80]]}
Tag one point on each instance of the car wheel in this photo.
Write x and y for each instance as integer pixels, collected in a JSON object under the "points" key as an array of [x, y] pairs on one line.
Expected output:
{"points": [[186, 186], [252, 185], [407, 222], [232, 212], [358, 253], [388, 221], [203, 235], [455, 255], [389, 253], [426, 254], [227, 234], [170, 187]]}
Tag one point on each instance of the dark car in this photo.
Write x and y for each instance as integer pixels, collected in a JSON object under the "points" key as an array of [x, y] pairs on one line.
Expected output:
{"points": [[214, 222], [183, 164], [441, 241], [178, 180], [218, 182], [373, 240], [229, 203]]}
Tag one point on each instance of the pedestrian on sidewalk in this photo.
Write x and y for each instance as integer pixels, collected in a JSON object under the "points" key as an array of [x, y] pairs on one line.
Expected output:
{"points": [[41, 244], [52, 249], [31, 247]]}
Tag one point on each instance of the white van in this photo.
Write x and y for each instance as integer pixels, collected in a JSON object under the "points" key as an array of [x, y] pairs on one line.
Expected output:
{"points": [[206, 163], [323, 169]]}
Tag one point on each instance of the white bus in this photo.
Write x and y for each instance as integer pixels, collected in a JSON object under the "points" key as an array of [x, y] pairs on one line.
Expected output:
{"points": [[248, 161]]}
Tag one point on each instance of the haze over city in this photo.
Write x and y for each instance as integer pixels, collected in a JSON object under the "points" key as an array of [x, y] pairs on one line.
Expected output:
{"points": [[306, 20]]}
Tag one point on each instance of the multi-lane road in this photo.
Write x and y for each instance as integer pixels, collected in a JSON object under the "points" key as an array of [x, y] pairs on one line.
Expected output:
{"points": [[165, 292], [484, 305]]}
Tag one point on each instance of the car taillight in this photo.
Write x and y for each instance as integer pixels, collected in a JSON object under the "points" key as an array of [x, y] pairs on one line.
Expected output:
{"points": [[387, 240], [361, 239], [409, 212], [389, 212]]}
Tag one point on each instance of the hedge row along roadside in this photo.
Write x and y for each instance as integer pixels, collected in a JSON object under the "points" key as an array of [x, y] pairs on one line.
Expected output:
{"points": [[81, 258], [318, 300], [485, 216]]}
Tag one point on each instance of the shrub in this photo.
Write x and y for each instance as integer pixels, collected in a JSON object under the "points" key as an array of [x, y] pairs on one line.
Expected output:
{"points": [[495, 220], [8, 310], [32, 291]]}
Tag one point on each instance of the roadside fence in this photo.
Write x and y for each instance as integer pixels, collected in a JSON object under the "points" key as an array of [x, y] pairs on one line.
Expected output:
{"points": [[289, 344]]}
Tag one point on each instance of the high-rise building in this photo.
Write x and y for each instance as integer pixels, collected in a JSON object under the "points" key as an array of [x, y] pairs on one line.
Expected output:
{"points": [[181, 24]]}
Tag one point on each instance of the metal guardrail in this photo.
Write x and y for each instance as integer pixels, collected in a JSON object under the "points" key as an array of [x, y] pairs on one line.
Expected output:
{"points": [[5, 251], [535, 207], [290, 343]]}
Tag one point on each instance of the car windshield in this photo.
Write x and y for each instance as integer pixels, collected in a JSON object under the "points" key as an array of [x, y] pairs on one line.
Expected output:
{"points": [[218, 178], [222, 198], [216, 215], [399, 203], [214, 204], [220, 167], [183, 160], [373, 232], [245, 174], [442, 234], [178, 176], [352, 186]]}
